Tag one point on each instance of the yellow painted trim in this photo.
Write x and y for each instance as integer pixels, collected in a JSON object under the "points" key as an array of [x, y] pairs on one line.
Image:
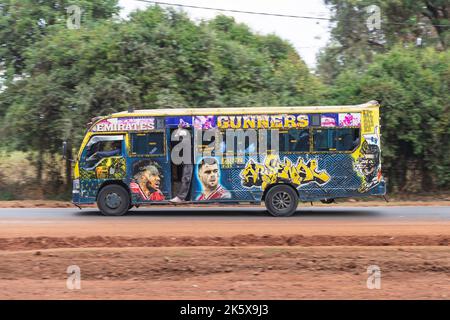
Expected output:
{"points": [[245, 111]]}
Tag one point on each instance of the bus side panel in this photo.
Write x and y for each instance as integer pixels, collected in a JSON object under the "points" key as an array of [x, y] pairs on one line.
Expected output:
{"points": [[316, 175], [327, 175], [158, 164]]}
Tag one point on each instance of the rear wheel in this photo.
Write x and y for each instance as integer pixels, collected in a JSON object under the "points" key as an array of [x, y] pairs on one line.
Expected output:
{"points": [[281, 201], [113, 200]]}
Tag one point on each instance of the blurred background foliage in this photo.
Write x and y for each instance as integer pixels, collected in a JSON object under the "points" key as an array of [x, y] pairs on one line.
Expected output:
{"points": [[56, 79]]}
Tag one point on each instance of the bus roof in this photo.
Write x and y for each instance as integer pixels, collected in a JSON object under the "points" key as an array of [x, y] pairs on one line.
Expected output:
{"points": [[242, 110]]}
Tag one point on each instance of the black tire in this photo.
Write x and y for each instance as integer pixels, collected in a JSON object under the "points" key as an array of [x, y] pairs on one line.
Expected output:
{"points": [[113, 200], [281, 201]]}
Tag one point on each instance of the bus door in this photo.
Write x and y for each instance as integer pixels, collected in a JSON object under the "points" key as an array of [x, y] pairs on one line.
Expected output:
{"points": [[176, 146]]}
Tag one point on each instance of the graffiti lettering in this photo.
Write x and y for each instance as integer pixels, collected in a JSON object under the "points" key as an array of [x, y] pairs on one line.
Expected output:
{"points": [[263, 121], [275, 171]]}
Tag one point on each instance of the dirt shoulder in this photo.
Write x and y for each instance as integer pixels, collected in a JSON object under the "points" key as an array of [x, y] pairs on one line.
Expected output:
{"points": [[267, 272], [215, 256], [35, 204]]}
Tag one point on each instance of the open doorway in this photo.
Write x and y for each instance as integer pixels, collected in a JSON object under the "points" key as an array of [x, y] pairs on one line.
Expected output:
{"points": [[181, 179]]}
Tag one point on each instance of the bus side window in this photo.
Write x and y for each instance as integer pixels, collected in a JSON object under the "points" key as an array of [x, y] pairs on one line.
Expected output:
{"points": [[208, 142], [109, 149], [346, 139], [100, 147], [323, 139], [294, 140], [147, 143]]}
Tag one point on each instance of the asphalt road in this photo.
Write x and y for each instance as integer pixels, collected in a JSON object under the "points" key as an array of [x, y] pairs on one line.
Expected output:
{"points": [[354, 214]]}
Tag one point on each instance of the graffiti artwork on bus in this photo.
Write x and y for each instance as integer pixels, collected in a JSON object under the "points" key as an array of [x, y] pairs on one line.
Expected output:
{"points": [[367, 161], [107, 168], [274, 171]]}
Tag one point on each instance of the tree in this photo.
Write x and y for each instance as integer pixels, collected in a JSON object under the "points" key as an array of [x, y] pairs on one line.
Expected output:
{"points": [[353, 45], [23, 23], [413, 87]]}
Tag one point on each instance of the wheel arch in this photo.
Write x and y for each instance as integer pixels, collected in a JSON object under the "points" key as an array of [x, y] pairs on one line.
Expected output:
{"points": [[278, 184], [110, 182]]}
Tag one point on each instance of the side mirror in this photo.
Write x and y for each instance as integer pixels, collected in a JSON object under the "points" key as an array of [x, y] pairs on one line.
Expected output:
{"points": [[64, 149]]}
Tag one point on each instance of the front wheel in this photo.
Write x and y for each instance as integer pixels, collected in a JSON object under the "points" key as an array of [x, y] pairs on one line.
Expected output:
{"points": [[113, 200], [281, 201]]}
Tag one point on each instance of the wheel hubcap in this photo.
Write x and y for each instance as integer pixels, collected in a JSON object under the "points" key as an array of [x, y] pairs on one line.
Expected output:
{"points": [[113, 200], [281, 200]]}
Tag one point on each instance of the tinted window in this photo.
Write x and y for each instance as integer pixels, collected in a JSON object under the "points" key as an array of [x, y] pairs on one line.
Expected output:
{"points": [[336, 139], [294, 140], [147, 143], [239, 142], [347, 139]]}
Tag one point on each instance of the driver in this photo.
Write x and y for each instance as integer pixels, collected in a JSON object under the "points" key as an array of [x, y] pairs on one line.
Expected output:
{"points": [[116, 149]]}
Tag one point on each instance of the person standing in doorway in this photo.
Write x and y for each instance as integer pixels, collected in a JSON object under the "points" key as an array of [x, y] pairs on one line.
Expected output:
{"points": [[188, 168]]}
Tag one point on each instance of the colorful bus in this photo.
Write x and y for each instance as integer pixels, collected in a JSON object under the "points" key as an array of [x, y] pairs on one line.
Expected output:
{"points": [[275, 155]]}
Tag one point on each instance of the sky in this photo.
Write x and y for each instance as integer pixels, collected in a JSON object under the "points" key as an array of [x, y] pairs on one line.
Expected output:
{"points": [[307, 36]]}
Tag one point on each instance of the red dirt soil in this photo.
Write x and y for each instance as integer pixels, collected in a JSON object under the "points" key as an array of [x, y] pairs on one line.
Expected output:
{"points": [[228, 273], [215, 257]]}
